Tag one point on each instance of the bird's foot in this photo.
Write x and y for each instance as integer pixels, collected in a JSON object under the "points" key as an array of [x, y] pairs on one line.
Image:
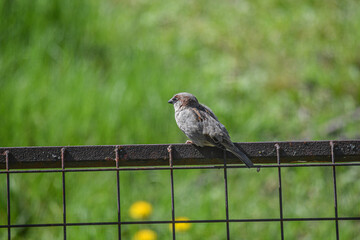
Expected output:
{"points": [[188, 142]]}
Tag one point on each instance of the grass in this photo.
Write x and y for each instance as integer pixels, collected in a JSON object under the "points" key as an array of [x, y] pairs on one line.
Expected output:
{"points": [[79, 73]]}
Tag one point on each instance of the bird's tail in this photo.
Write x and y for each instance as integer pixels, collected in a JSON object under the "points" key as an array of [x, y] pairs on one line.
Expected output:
{"points": [[241, 156]]}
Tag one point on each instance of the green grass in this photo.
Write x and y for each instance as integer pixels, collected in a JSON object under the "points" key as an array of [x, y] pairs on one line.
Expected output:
{"points": [[91, 72]]}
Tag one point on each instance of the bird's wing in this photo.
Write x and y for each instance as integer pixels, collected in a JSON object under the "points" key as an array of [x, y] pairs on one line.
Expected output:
{"points": [[214, 141], [214, 120], [217, 135], [214, 132], [207, 110], [220, 138]]}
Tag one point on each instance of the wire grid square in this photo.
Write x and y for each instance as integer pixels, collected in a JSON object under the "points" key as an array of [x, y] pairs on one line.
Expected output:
{"points": [[35, 233], [209, 231], [91, 232], [145, 186], [310, 230], [3, 213], [263, 186], [348, 187], [97, 203], [161, 231], [309, 199], [3, 233], [36, 204], [349, 229], [255, 230], [189, 203]]}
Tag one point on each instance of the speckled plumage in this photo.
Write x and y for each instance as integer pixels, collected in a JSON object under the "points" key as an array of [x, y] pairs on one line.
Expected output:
{"points": [[201, 125]]}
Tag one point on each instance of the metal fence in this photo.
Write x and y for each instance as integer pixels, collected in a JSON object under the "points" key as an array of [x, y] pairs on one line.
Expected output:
{"points": [[171, 157]]}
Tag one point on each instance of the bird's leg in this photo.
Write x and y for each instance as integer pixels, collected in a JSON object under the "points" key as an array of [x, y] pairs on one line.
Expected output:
{"points": [[188, 142]]}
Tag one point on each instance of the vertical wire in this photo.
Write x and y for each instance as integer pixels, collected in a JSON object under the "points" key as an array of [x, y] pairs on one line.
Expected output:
{"points": [[172, 191], [8, 193], [280, 191], [63, 189], [226, 199], [118, 190], [335, 190]]}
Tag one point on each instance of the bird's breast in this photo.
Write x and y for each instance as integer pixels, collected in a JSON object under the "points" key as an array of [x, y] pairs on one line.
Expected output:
{"points": [[188, 121]]}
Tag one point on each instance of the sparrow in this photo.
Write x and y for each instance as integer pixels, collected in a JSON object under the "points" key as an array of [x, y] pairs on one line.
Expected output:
{"points": [[201, 125]]}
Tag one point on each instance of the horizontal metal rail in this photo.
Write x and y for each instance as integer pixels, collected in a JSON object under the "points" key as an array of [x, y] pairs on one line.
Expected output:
{"points": [[183, 154], [181, 221]]}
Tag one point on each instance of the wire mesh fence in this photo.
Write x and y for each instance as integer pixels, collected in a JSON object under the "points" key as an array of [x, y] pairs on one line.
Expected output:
{"points": [[179, 157]]}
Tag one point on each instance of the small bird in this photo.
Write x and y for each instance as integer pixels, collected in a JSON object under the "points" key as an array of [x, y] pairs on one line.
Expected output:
{"points": [[201, 125]]}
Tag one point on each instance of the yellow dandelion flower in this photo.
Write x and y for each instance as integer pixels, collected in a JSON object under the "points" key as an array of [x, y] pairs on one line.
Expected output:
{"points": [[140, 210], [145, 234], [181, 227]]}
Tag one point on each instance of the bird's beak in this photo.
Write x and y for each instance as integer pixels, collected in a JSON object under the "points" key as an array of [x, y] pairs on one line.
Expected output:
{"points": [[171, 101]]}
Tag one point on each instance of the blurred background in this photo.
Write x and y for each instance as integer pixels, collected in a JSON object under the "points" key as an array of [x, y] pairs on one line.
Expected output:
{"points": [[101, 72]]}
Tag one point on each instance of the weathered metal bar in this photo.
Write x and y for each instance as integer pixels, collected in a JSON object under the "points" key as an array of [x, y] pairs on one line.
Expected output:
{"points": [[181, 221], [172, 192], [183, 154], [63, 190], [280, 192], [335, 191]]}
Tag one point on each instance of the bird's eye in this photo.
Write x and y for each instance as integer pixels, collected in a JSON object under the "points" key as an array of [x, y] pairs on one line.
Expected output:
{"points": [[175, 99]]}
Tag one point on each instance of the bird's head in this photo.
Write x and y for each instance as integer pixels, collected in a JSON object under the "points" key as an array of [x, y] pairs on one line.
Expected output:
{"points": [[183, 100]]}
